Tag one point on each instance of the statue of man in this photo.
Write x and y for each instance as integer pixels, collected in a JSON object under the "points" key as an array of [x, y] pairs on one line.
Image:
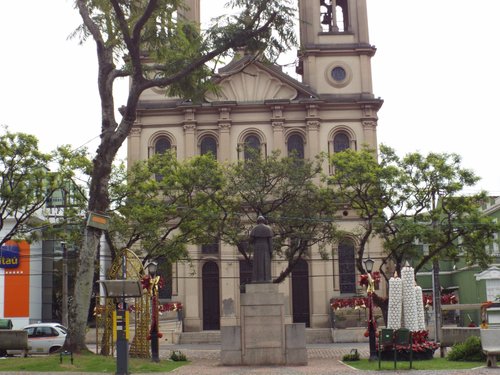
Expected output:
{"points": [[261, 237]]}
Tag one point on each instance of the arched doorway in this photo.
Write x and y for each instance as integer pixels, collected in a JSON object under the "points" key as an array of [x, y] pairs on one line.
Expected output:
{"points": [[211, 302], [300, 293]]}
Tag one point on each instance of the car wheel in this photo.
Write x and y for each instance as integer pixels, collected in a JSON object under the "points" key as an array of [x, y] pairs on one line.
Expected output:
{"points": [[54, 349]]}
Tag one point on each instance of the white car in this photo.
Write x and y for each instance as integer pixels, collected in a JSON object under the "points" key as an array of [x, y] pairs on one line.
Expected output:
{"points": [[44, 338]]}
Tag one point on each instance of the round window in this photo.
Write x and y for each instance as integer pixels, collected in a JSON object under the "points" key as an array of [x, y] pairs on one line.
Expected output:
{"points": [[339, 74]]}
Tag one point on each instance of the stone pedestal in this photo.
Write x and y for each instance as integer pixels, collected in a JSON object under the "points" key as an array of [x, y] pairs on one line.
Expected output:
{"points": [[263, 337]]}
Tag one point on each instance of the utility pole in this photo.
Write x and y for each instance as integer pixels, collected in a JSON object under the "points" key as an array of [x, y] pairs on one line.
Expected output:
{"points": [[64, 310], [436, 293]]}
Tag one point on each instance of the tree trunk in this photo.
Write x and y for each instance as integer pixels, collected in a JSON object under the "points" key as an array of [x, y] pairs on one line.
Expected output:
{"points": [[79, 310]]}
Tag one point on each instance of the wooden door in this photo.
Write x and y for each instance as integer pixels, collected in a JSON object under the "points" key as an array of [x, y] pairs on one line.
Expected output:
{"points": [[300, 293], [211, 300]]}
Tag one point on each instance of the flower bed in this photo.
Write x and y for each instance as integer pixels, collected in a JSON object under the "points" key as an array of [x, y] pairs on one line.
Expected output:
{"points": [[422, 349]]}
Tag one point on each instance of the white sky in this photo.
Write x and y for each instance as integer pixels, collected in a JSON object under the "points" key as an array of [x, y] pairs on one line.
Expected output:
{"points": [[436, 68]]}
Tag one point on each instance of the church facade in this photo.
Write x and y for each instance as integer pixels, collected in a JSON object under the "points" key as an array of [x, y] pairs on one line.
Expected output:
{"points": [[330, 109]]}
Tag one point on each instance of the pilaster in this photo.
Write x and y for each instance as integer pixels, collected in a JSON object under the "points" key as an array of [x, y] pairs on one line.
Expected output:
{"points": [[278, 122], [224, 123], [189, 132]]}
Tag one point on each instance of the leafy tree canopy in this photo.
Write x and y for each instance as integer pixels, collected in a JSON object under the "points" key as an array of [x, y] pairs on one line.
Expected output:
{"points": [[288, 193], [162, 204], [29, 179], [414, 199]]}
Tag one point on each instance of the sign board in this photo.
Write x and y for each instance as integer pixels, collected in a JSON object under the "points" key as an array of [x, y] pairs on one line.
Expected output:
{"points": [[9, 256], [98, 221]]}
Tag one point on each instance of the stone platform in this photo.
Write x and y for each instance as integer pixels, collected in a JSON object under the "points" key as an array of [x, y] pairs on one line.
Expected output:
{"points": [[263, 337]]}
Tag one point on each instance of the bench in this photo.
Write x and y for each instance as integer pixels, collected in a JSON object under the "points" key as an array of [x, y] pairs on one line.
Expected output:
{"points": [[491, 345], [13, 340]]}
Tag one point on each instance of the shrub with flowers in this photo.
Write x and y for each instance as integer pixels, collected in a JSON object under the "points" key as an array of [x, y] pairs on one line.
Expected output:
{"points": [[446, 299], [352, 303], [421, 348]]}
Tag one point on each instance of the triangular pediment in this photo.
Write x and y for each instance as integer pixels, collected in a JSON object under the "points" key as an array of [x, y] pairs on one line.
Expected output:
{"points": [[255, 82], [492, 273]]}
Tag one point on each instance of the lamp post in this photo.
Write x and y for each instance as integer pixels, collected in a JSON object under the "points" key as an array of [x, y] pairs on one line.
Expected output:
{"points": [[152, 268], [371, 324]]}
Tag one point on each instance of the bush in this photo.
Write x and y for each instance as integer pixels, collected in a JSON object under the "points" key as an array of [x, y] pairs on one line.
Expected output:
{"points": [[470, 350], [177, 355], [352, 356]]}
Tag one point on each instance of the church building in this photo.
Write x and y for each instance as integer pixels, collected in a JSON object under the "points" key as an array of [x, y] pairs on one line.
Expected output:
{"points": [[330, 109]]}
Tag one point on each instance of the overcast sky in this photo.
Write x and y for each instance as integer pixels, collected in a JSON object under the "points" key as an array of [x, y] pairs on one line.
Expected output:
{"points": [[436, 68]]}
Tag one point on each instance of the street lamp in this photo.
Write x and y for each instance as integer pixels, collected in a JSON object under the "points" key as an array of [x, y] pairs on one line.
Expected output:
{"points": [[371, 322], [152, 269]]}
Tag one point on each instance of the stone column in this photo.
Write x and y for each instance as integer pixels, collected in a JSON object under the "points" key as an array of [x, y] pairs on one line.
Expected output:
{"points": [[134, 145], [322, 290], [229, 284], [277, 122], [189, 133], [224, 123], [312, 128], [192, 11]]}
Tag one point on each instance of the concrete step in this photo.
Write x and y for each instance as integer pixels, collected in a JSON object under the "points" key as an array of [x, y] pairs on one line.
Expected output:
{"points": [[313, 336], [319, 336], [202, 337]]}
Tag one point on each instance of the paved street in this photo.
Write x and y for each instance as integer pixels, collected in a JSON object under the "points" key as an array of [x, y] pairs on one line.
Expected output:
{"points": [[324, 359]]}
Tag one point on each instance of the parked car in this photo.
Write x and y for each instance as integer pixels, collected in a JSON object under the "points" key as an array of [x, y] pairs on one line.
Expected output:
{"points": [[44, 338]]}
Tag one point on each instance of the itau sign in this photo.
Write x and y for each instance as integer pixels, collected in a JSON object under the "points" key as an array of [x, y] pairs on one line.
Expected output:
{"points": [[9, 256]]}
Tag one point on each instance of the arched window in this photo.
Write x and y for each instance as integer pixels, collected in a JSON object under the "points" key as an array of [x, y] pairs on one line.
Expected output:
{"points": [[162, 145], [208, 145], [334, 16], [341, 142], [295, 146], [251, 147], [347, 268]]}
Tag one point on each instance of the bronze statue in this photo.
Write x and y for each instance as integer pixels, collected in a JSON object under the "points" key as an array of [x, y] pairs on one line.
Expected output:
{"points": [[261, 237]]}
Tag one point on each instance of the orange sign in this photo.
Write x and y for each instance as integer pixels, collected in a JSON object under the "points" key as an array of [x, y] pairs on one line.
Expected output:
{"points": [[17, 284]]}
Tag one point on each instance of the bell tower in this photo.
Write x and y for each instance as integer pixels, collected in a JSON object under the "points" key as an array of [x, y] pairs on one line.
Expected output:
{"points": [[335, 52], [191, 12]]}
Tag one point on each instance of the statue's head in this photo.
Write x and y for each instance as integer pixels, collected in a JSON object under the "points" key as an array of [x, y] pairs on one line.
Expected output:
{"points": [[261, 220]]}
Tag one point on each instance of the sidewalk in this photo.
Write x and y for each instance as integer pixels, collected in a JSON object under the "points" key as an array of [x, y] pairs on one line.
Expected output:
{"points": [[323, 359]]}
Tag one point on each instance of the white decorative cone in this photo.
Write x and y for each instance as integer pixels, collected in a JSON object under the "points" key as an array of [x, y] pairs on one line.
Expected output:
{"points": [[395, 299], [409, 305], [419, 301]]}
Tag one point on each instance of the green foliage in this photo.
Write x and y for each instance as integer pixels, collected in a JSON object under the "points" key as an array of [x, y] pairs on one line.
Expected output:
{"points": [[85, 363], [414, 198], [29, 179], [351, 357], [470, 350], [164, 203], [287, 191], [178, 356], [179, 53], [429, 365]]}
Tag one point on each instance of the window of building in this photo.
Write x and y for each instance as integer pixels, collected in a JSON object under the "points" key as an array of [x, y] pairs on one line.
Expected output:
{"points": [[210, 248], [347, 268], [162, 145], [334, 16], [341, 142], [208, 145], [295, 146], [251, 147]]}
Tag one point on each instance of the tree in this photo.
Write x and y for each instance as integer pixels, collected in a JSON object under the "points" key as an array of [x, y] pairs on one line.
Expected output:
{"points": [[27, 183], [414, 199], [164, 213], [288, 193], [158, 49]]}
